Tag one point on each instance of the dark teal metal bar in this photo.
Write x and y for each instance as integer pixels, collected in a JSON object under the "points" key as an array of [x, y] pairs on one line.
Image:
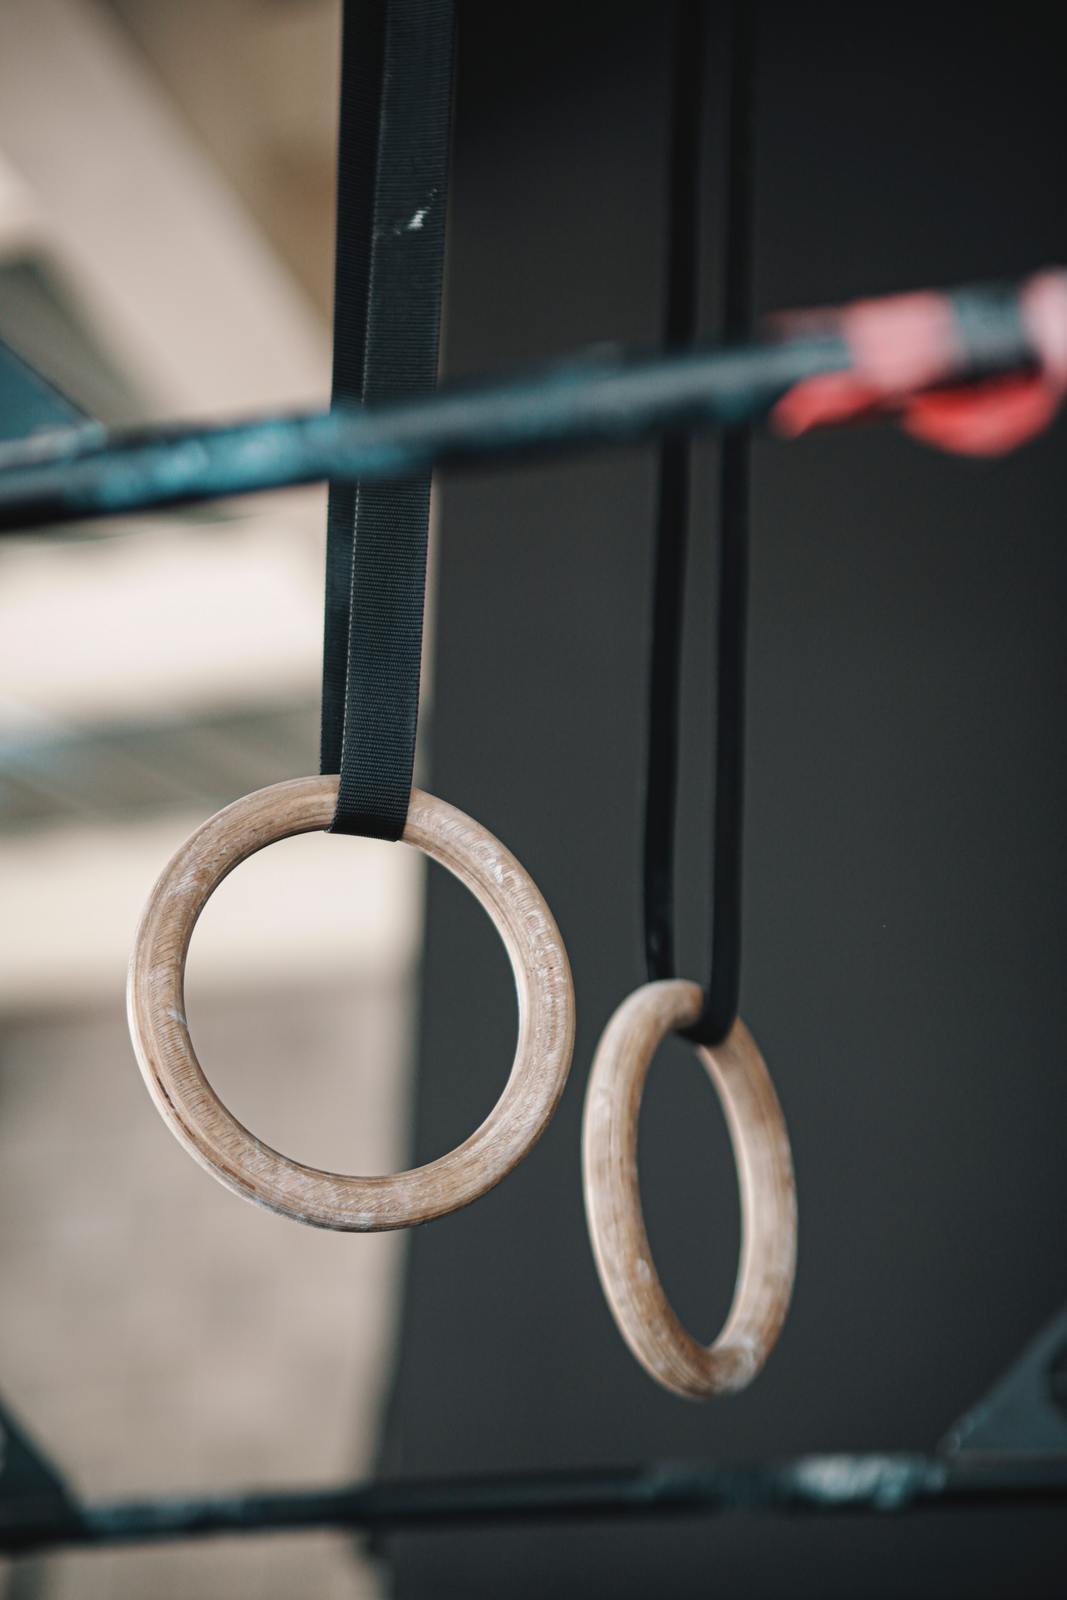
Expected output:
{"points": [[70, 474], [823, 1485], [65, 477]]}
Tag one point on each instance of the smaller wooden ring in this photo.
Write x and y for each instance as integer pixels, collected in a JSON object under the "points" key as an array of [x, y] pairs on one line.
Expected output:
{"points": [[760, 1143], [213, 1135]]}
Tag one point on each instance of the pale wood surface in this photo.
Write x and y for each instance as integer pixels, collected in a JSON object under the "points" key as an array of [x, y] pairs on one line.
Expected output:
{"points": [[199, 1120], [760, 1143]]}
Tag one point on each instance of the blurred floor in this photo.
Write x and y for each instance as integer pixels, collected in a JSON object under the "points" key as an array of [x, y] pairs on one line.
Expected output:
{"points": [[157, 1335]]}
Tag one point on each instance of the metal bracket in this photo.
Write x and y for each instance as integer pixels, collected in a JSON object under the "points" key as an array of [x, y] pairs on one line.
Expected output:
{"points": [[1025, 1412], [29, 404], [33, 1494]]}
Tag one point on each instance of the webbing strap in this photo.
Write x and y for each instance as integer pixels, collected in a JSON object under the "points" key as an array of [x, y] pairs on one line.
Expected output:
{"points": [[396, 94], [722, 991]]}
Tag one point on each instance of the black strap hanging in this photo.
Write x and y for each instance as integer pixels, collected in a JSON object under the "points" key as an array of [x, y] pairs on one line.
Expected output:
{"points": [[721, 994], [396, 91]]}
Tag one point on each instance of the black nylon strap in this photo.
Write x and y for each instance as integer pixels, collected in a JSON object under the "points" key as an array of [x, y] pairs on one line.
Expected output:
{"points": [[396, 91], [682, 312]]}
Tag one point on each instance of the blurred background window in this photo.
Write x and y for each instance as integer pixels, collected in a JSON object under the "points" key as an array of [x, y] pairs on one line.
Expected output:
{"points": [[166, 217]]}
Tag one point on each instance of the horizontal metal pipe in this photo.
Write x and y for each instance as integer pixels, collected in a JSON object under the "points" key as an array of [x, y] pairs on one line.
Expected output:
{"points": [[809, 1484], [69, 474]]}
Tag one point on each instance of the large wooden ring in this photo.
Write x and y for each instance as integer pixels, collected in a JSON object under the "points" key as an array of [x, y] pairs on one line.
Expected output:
{"points": [[199, 1120], [642, 1311]]}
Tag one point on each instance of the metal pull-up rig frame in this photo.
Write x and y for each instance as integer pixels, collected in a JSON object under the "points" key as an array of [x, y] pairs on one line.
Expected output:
{"points": [[1011, 1449]]}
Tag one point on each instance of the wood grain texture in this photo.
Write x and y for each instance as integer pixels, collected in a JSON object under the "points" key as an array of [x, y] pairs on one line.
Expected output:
{"points": [[760, 1143], [199, 1120]]}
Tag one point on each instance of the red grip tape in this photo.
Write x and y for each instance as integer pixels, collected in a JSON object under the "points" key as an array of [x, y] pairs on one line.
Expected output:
{"points": [[904, 346]]}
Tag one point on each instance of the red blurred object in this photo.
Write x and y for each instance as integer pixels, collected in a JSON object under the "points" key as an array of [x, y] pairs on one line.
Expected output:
{"points": [[903, 349]]}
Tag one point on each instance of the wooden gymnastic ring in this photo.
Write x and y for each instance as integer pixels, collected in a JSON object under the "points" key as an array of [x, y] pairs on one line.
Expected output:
{"points": [[199, 1120], [760, 1143]]}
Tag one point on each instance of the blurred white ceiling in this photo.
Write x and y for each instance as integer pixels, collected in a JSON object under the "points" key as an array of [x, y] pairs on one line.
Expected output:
{"points": [[166, 215]]}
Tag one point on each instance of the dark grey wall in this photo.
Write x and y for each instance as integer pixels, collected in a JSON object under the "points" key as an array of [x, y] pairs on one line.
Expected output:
{"points": [[905, 853]]}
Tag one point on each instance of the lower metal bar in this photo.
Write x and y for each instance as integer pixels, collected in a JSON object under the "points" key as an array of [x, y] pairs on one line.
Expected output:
{"points": [[818, 1484]]}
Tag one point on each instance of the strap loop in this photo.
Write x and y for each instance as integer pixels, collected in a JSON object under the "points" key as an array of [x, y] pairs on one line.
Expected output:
{"points": [[396, 92], [720, 1005]]}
